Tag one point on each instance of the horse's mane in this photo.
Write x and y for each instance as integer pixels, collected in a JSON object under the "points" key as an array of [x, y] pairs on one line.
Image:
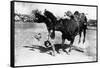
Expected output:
{"points": [[44, 19], [41, 16], [50, 15]]}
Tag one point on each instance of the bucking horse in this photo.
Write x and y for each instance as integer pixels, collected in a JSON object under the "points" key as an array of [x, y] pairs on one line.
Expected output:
{"points": [[40, 18], [68, 27]]}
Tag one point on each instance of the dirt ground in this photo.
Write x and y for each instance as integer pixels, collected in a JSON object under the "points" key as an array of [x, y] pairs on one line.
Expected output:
{"points": [[25, 36]]}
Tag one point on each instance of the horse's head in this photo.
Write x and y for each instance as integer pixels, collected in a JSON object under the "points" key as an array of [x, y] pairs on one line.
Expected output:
{"points": [[47, 13], [39, 17]]}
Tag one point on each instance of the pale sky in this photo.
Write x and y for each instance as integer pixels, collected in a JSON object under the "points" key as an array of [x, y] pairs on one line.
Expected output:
{"points": [[58, 10]]}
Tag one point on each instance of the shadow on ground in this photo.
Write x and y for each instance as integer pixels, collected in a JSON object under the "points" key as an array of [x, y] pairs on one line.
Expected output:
{"points": [[58, 47]]}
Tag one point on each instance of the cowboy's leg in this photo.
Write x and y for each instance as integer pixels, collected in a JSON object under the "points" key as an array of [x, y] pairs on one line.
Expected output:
{"points": [[53, 47]]}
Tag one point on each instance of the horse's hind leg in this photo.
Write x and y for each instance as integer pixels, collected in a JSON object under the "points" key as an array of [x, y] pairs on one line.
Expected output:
{"points": [[58, 51], [84, 33], [63, 41], [65, 51], [48, 33]]}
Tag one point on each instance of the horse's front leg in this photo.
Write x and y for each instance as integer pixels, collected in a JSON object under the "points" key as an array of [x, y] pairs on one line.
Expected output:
{"points": [[71, 44], [63, 41], [48, 34], [79, 37]]}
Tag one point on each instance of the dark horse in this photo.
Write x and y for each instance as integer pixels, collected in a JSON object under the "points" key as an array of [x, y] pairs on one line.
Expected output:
{"points": [[52, 19], [82, 22], [39, 18], [69, 27]]}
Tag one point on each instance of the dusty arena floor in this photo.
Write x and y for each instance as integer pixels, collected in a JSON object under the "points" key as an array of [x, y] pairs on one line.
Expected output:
{"points": [[25, 36]]}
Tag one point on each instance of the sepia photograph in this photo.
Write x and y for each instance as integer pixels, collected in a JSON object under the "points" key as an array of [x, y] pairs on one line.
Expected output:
{"points": [[53, 33]]}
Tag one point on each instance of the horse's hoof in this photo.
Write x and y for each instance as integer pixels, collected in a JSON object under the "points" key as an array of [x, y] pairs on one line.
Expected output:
{"points": [[50, 53], [70, 50], [68, 53], [83, 41], [53, 54]]}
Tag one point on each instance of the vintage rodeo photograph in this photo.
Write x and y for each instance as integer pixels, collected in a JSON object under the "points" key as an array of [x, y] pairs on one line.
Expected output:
{"points": [[53, 33]]}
